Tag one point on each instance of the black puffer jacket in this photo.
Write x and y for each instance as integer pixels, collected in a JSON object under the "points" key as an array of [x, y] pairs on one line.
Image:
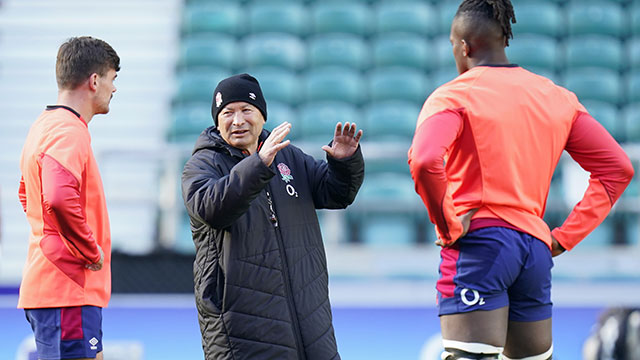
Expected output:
{"points": [[261, 281]]}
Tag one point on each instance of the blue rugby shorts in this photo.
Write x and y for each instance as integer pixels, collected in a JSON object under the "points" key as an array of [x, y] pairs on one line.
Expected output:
{"points": [[66, 333], [493, 267]]}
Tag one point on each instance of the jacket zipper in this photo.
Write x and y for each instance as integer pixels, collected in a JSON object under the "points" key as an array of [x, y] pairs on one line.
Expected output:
{"points": [[285, 273]]}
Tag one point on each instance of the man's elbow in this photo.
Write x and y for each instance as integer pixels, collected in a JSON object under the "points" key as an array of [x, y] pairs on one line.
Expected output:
{"points": [[626, 171], [427, 163]]}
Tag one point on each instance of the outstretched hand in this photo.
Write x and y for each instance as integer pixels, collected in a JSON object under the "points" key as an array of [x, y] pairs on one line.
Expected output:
{"points": [[274, 143], [345, 141]]}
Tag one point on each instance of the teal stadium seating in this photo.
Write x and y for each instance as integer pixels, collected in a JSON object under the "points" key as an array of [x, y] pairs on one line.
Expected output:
{"points": [[446, 10], [278, 16], [224, 18], [188, 121], [339, 50], [416, 17], [210, 50], [595, 17], [633, 86], [399, 83], [635, 18], [633, 48], [443, 75], [274, 49], [594, 84], [278, 84], [443, 52], [389, 215], [335, 84], [631, 116], [318, 119], [595, 50], [403, 49], [277, 113], [538, 17], [343, 17], [607, 115], [198, 86], [391, 120], [534, 51]]}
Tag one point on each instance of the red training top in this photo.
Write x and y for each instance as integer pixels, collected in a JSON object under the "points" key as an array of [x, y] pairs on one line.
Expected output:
{"points": [[61, 193], [491, 139]]}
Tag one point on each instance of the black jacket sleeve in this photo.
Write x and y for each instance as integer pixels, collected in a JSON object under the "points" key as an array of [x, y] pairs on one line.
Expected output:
{"points": [[336, 182], [218, 199]]}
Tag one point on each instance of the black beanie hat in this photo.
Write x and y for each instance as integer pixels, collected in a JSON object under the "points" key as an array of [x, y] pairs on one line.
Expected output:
{"points": [[243, 87]]}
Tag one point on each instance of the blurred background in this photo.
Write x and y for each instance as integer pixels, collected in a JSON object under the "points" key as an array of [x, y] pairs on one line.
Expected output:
{"points": [[372, 62]]}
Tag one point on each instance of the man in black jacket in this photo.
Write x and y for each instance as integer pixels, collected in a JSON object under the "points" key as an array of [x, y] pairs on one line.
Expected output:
{"points": [[260, 272]]}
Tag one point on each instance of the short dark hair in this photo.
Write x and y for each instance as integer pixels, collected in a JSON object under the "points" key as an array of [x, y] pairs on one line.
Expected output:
{"points": [[499, 10], [79, 57]]}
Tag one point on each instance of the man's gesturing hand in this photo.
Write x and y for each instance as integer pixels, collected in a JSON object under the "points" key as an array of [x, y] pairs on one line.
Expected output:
{"points": [[345, 141], [274, 143]]}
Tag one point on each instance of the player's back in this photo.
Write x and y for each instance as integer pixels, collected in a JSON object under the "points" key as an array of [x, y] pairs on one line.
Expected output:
{"points": [[515, 127]]}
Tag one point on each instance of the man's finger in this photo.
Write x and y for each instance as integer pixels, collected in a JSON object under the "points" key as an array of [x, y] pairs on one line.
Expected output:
{"points": [[358, 136], [338, 131]]}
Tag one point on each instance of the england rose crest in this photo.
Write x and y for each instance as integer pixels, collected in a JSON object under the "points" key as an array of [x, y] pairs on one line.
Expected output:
{"points": [[285, 172]]}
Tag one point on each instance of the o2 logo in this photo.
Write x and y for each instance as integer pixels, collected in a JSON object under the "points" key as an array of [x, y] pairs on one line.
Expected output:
{"points": [[472, 299]]}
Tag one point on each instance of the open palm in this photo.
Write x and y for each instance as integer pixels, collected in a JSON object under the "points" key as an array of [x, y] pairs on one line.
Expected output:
{"points": [[345, 141]]}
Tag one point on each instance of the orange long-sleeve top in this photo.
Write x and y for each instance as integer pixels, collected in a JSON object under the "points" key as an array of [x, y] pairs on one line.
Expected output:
{"points": [[491, 139], [62, 195]]}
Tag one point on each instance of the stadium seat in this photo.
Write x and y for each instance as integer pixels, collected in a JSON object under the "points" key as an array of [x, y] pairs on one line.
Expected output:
{"points": [[632, 225], [342, 17], [631, 116], [278, 16], [217, 50], [633, 48], [595, 50], [535, 51], [198, 86], [277, 84], [399, 83], [443, 52], [633, 86], [388, 206], [411, 16], [274, 49], [339, 50], [607, 115], [635, 18], [336, 84], [595, 17], [207, 18], [594, 84], [188, 121], [318, 119], [538, 17], [446, 10], [443, 76], [403, 49], [277, 113], [391, 120]]}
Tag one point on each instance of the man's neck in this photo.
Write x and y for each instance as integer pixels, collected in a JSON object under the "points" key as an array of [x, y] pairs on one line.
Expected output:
{"points": [[490, 58], [78, 101]]}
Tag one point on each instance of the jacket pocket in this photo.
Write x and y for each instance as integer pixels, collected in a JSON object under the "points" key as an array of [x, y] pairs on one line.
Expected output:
{"points": [[210, 289]]}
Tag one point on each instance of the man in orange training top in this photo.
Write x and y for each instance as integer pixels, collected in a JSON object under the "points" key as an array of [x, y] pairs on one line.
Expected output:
{"points": [[484, 151], [67, 277]]}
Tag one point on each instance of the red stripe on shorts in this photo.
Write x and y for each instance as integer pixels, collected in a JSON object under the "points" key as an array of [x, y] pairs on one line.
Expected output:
{"points": [[71, 323], [448, 269]]}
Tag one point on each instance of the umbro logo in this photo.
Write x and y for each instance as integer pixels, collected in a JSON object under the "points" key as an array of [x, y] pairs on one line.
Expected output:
{"points": [[252, 96], [93, 343]]}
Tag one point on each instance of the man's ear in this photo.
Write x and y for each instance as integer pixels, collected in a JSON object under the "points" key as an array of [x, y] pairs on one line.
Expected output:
{"points": [[466, 49], [93, 82]]}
